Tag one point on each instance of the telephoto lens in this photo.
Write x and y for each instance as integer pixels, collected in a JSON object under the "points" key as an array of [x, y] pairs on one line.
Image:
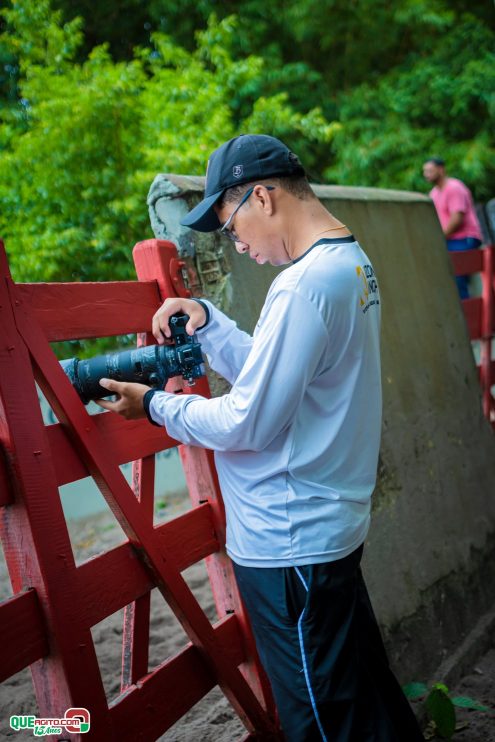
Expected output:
{"points": [[152, 364]]}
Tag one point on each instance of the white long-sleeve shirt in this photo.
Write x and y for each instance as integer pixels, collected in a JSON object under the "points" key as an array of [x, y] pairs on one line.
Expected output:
{"points": [[296, 440]]}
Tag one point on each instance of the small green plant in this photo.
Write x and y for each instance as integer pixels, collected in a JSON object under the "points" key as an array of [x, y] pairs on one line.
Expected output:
{"points": [[439, 706]]}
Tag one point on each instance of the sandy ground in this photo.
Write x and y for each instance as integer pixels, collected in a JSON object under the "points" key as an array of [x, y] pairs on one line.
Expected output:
{"points": [[474, 726], [212, 720], [478, 684]]}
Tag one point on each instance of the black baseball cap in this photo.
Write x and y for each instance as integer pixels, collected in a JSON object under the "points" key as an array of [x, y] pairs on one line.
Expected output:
{"points": [[243, 159]]}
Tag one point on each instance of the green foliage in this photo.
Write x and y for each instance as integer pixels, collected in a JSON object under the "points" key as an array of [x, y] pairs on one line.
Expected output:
{"points": [[40, 36], [413, 691], [440, 706], [86, 139], [441, 709], [122, 24], [442, 103], [69, 206], [362, 91], [464, 702]]}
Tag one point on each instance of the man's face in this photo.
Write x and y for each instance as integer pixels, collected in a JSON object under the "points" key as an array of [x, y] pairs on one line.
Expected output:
{"points": [[432, 172], [256, 233]]}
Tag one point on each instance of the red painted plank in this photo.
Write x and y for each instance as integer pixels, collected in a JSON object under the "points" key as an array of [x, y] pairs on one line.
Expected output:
{"points": [[136, 628], [491, 371], [166, 272], [110, 581], [23, 633], [135, 641], [487, 279], [472, 312], [67, 311], [467, 262], [124, 440], [160, 699], [6, 494], [203, 486]]}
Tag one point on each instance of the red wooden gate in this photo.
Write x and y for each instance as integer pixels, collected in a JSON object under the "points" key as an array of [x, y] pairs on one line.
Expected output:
{"points": [[480, 316], [47, 622]]}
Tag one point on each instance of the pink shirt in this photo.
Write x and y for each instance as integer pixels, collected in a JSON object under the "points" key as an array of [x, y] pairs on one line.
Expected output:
{"points": [[455, 196]]}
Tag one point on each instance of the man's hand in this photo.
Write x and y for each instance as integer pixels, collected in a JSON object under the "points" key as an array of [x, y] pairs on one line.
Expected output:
{"points": [[130, 402], [160, 326]]}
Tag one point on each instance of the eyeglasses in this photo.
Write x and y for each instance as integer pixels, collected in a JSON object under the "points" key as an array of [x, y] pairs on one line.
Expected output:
{"points": [[231, 233]]}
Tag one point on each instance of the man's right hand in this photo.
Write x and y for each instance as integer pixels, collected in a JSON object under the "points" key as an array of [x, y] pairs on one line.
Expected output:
{"points": [[160, 327]]}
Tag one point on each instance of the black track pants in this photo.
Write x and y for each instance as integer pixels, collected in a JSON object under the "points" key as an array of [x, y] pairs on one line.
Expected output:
{"points": [[320, 645]]}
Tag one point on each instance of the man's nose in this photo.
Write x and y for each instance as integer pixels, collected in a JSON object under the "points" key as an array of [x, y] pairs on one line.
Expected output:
{"points": [[241, 247]]}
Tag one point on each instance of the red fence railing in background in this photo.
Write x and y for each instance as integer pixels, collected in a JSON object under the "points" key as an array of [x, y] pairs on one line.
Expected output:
{"points": [[46, 623], [480, 316]]}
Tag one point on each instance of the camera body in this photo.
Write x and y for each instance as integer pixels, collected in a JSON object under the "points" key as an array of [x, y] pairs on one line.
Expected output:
{"points": [[152, 364]]}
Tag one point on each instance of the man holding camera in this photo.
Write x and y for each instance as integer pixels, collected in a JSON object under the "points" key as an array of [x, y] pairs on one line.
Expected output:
{"points": [[296, 443]]}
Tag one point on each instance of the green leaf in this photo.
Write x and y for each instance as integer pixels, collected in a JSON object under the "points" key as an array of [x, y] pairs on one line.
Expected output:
{"points": [[414, 690], [441, 710], [468, 703], [440, 686]]}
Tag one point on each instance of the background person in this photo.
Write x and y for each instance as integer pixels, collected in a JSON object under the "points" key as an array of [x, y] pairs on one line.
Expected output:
{"points": [[454, 205], [296, 443]]}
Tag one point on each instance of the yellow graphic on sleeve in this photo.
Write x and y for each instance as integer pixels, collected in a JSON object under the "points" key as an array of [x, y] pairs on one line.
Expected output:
{"points": [[370, 295], [360, 273]]}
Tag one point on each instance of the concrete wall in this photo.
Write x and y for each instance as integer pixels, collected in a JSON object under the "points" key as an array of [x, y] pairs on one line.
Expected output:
{"points": [[430, 555]]}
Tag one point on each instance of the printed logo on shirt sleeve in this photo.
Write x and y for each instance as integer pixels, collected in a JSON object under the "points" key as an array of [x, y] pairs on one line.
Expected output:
{"points": [[369, 295]]}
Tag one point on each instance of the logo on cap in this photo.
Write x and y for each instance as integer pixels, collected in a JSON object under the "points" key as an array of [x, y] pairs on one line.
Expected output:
{"points": [[293, 159], [237, 171]]}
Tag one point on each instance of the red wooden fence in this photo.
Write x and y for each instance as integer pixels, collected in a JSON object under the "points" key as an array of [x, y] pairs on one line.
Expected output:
{"points": [[46, 623], [480, 316]]}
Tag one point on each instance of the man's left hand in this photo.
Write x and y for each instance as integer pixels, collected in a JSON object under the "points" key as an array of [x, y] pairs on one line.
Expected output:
{"points": [[130, 398]]}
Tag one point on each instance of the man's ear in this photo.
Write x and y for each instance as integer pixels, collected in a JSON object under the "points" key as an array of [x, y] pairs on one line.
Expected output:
{"points": [[263, 197]]}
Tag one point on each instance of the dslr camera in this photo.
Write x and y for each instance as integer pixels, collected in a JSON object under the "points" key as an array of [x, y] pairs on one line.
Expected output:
{"points": [[152, 364]]}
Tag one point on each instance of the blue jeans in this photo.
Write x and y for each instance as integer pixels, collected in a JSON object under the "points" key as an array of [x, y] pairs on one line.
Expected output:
{"points": [[466, 243]]}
